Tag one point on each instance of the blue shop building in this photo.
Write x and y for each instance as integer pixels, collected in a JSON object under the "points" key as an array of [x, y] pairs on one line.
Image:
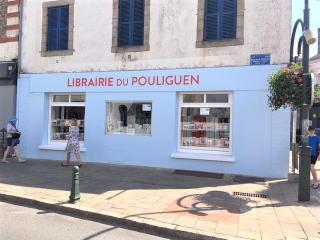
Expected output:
{"points": [[203, 119], [166, 84]]}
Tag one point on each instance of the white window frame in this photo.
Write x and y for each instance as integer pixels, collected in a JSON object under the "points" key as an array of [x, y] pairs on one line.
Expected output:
{"points": [[62, 104], [217, 151], [127, 101]]}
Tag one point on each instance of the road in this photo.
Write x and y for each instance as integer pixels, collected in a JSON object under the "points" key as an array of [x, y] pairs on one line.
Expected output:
{"points": [[21, 223]]}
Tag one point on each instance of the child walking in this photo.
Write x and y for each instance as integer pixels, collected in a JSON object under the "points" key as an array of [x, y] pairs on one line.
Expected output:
{"points": [[314, 142]]}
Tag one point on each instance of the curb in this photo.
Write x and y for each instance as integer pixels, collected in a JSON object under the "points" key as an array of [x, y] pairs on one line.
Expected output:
{"points": [[107, 219]]}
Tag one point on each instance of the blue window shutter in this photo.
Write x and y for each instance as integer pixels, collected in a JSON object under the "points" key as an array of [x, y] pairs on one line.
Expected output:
{"points": [[229, 19], [211, 30], [131, 23], [64, 28], [52, 34], [124, 23], [138, 23], [220, 20], [58, 28]]}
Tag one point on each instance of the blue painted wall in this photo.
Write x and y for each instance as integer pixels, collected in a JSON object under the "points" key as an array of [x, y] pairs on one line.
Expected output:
{"points": [[260, 137]]}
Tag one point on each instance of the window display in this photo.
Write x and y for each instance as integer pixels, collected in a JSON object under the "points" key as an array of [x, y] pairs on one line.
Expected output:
{"points": [[205, 125], [133, 118], [63, 108]]}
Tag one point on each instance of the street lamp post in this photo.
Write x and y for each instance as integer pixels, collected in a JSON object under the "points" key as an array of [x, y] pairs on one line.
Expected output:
{"points": [[304, 159]]}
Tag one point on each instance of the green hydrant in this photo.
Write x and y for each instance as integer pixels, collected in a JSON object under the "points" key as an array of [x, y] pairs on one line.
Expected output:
{"points": [[75, 188]]}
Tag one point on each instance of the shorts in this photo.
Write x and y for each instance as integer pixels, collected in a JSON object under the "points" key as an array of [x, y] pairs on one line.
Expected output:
{"points": [[12, 142], [314, 160]]}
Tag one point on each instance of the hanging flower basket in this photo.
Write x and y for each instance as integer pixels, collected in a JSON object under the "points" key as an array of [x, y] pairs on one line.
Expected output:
{"points": [[286, 88]]}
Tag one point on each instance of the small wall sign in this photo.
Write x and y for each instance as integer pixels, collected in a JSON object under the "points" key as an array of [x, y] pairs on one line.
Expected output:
{"points": [[260, 59], [205, 111], [146, 107]]}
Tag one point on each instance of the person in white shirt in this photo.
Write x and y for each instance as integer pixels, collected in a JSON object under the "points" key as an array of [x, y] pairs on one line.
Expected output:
{"points": [[13, 140]]}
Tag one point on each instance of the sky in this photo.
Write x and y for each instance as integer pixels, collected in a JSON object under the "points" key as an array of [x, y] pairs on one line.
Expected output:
{"points": [[314, 5]]}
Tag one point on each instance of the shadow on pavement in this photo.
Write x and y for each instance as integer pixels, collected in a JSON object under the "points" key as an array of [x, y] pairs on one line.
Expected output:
{"points": [[99, 178]]}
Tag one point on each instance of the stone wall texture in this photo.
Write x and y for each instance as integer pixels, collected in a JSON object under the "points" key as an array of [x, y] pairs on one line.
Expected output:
{"points": [[3, 17], [172, 38]]}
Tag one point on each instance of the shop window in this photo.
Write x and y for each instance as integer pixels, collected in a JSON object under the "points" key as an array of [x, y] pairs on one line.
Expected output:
{"points": [[206, 124], [132, 118], [63, 108]]}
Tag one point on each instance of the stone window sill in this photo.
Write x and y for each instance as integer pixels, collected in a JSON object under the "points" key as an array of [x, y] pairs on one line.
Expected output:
{"points": [[142, 48], [57, 53], [203, 156], [59, 147], [219, 43]]}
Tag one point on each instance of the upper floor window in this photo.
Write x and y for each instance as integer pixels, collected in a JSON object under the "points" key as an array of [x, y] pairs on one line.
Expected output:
{"points": [[58, 26], [131, 22], [220, 23], [131, 25], [220, 19]]}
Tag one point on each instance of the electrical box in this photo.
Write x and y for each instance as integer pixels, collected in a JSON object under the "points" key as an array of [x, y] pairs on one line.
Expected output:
{"points": [[8, 70]]}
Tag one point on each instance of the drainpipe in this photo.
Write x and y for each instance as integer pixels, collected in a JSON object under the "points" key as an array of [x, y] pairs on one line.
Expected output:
{"points": [[318, 41], [19, 57], [20, 37]]}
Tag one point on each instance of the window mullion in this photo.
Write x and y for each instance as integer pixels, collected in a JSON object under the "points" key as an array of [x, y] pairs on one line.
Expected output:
{"points": [[205, 19], [58, 28], [220, 19], [235, 19], [131, 22]]}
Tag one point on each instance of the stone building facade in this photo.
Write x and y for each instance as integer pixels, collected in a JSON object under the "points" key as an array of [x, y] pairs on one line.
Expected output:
{"points": [[173, 84], [9, 33], [3, 19]]}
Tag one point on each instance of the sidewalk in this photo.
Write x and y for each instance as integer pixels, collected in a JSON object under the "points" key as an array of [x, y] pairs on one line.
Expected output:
{"points": [[167, 202]]}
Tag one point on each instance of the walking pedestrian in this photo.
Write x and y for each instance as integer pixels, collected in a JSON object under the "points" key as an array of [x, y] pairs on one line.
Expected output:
{"points": [[73, 145], [13, 140], [314, 142]]}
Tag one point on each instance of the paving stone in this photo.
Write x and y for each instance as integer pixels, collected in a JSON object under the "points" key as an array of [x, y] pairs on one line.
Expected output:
{"points": [[269, 236], [249, 234], [224, 237], [185, 221], [152, 196], [207, 226], [225, 229], [294, 234], [306, 219], [250, 228], [291, 226], [313, 238], [313, 232], [294, 238]]}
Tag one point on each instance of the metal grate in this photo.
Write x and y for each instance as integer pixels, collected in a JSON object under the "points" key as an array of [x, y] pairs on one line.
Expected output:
{"points": [[244, 179], [199, 174], [255, 195]]}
